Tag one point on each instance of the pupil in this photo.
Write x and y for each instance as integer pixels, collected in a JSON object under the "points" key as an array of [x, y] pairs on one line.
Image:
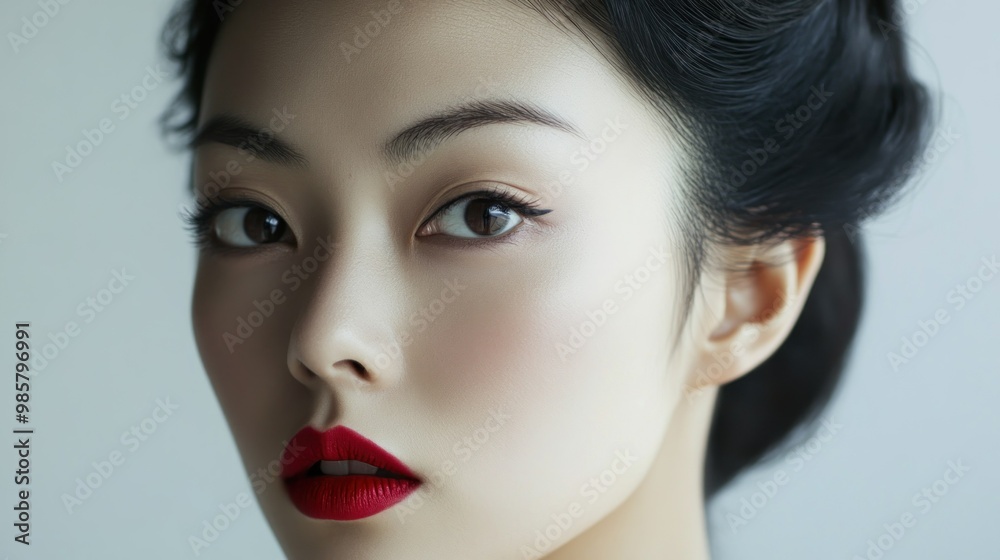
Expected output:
{"points": [[262, 226], [486, 217]]}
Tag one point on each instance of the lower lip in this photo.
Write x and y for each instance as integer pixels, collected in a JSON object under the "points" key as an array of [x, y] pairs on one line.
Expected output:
{"points": [[349, 497]]}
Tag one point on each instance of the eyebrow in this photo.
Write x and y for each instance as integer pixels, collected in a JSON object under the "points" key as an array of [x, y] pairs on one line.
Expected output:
{"points": [[258, 142], [421, 136], [428, 132]]}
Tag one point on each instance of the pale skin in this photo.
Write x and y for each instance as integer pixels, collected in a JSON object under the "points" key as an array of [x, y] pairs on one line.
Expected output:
{"points": [[501, 344]]}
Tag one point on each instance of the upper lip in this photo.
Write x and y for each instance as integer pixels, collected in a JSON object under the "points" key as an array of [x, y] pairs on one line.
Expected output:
{"points": [[339, 443]]}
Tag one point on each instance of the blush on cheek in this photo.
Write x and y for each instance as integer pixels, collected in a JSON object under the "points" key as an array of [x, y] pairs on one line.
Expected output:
{"points": [[474, 355], [488, 353]]}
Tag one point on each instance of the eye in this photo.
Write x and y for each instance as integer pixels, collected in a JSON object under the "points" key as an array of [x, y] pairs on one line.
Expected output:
{"points": [[248, 226], [481, 215], [478, 217]]}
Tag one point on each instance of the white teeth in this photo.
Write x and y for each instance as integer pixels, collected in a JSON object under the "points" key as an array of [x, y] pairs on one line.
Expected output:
{"points": [[337, 468], [357, 467], [341, 468]]}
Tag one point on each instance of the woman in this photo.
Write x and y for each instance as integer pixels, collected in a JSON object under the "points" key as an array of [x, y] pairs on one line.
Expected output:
{"points": [[528, 278]]}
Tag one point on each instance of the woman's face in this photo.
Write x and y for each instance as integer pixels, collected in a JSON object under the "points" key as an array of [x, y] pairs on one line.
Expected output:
{"points": [[516, 362]]}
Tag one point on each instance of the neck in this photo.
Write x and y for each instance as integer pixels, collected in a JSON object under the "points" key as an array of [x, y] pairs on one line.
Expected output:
{"points": [[665, 515]]}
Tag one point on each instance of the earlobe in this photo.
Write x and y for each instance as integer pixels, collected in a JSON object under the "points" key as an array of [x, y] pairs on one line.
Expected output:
{"points": [[756, 308]]}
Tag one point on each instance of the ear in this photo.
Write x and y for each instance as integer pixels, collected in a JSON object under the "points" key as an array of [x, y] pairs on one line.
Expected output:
{"points": [[748, 313]]}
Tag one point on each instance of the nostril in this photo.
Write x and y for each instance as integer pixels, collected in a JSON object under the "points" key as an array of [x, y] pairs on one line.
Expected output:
{"points": [[358, 369]]}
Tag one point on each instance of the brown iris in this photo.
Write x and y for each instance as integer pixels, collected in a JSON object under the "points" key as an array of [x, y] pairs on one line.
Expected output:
{"points": [[486, 217], [263, 226]]}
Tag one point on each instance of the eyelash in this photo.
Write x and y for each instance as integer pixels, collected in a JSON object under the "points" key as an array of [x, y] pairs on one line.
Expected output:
{"points": [[523, 205], [199, 222]]}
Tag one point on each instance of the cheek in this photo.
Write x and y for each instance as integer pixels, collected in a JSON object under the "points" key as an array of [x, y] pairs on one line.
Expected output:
{"points": [[579, 380], [245, 357], [584, 324]]}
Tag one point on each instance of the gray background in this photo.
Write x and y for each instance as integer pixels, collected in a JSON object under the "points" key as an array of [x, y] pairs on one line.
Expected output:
{"points": [[60, 242]]}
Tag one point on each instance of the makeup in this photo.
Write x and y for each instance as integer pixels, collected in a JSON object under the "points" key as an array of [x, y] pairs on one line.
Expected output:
{"points": [[344, 476]]}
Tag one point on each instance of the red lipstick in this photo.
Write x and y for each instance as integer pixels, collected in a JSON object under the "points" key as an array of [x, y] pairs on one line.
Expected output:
{"points": [[343, 475]]}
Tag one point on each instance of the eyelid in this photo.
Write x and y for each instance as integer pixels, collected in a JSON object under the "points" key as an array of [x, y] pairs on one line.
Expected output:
{"points": [[200, 221], [524, 205]]}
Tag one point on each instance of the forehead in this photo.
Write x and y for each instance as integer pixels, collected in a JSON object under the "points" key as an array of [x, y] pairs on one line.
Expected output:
{"points": [[370, 66]]}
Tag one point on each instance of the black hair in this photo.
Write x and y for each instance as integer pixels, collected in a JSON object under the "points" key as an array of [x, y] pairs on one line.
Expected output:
{"points": [[801, 118]]}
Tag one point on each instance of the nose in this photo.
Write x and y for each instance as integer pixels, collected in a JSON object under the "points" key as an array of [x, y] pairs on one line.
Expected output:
{"points": [[345, 314]]}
